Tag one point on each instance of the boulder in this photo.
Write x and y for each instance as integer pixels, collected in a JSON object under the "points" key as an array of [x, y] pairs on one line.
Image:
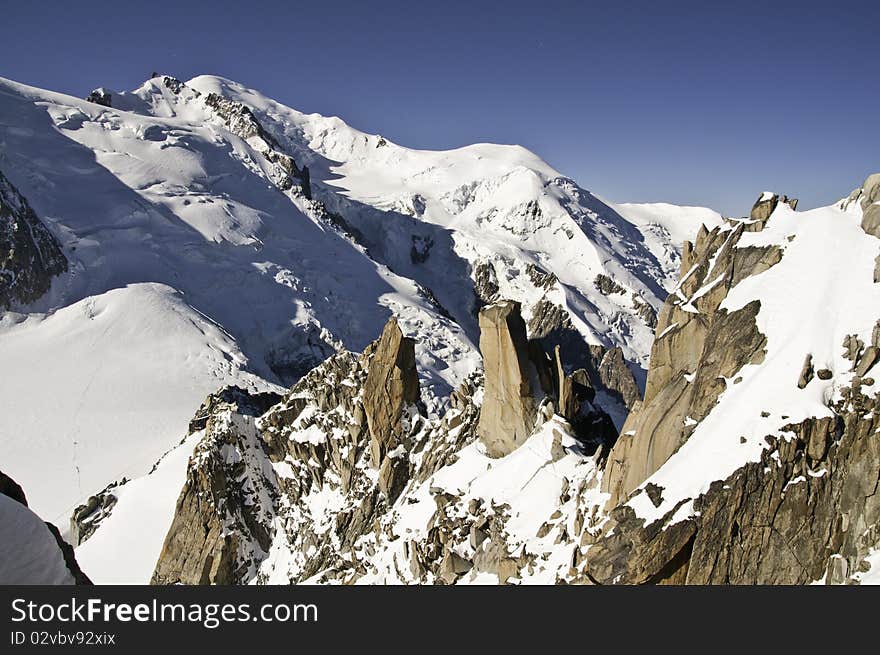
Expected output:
{"points": [[806, 372], [764, 206]]}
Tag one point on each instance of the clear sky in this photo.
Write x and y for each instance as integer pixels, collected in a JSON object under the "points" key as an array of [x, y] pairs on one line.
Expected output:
{"points": [[687, 102]]}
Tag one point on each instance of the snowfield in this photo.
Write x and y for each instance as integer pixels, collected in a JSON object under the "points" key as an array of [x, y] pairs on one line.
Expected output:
{"points": [[103, 385]]}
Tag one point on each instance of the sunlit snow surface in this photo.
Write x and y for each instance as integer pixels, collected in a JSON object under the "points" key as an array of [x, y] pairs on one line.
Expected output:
{"points": [[29, 553], [126, 546], [821, 291]]}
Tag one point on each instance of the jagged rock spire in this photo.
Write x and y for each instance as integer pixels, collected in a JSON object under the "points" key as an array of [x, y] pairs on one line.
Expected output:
{"points": [[509, 405]]}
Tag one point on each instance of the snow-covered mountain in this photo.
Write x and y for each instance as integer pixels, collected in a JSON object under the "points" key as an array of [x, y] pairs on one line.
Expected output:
{"points": [[214, 236], [270, 348]]}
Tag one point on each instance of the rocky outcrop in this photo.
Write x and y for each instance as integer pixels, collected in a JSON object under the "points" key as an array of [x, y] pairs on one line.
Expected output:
{"points": [[510, 405], [520, 375], [11, 489], [764, 206], [252, 475], [86, 518], [647, 313], [698, 345], [606, 286], [869, 199], [803, 509], [551, 327], [870, 202], [391, 389], [485, 284], [807, 511], [30, 256], [101, 97], [288, 490], [221, 526]]}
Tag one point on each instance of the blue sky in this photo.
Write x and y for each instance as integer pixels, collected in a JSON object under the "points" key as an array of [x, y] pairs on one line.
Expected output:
{"points": [[687, 102]]}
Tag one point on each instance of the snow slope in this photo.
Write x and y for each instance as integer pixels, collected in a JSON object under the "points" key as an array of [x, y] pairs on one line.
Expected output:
{"points": [[127, 544], [821, 291], [483, 203], [29, 553], [96, 389]]}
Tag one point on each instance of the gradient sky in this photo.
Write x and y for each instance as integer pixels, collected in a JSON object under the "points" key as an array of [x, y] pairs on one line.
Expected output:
{"points": [[703, 103]]}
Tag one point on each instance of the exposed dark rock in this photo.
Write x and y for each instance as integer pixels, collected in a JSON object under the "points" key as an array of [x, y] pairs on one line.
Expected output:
{"points": [[614, 374], [606, 286], [647, 313], [100, 97], [421, 249], [806, 372], [551, 326], [485, 284], [29, 255], [86, 518], [540, 278]]}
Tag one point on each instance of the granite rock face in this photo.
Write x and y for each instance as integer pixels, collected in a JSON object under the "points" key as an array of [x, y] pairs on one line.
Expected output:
{"points": [[807, 511], [30, 256], [392, 385], [101, 97], [510, 403], [520, 376], [698, 345], [765, 205], [224, 511], [608, 371]]}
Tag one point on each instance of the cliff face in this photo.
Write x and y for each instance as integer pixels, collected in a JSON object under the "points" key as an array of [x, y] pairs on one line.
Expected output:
{"points": [[29, 255], [698, 345], [773, 482]]}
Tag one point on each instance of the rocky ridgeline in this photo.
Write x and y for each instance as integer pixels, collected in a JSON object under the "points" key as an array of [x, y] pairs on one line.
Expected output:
{"points": [[30, 256], [868, 197], [808, 510], [312, 486], [697, 345]]}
